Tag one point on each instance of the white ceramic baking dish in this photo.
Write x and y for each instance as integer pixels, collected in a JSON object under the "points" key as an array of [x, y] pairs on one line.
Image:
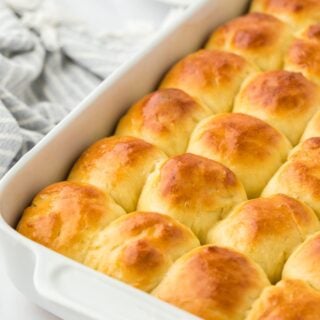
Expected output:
{"points": [[64, 287]]}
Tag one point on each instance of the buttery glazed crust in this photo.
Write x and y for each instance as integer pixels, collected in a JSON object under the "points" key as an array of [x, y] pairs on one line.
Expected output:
{"points": [[194, 190], [211, 76], [260, 38], [251, 148], [299, 176], [304, 263], [139, 248], [304, 54], [267, 230], [119, 166], [213, 283], [165, 118], [288, 300], [280, 98], [297, 13], [66, 216]]}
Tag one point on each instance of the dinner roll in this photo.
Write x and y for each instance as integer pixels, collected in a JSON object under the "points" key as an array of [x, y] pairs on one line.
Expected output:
{"points": [[304, 263], [304, 54], [313, 128], [299, 176], [164, 118], [260, 38], [266, 230], [119, 166], [66, 216], [286, 100], [288, 300], [251, 148], [139, 247], [194, 190], [213, 77], [297, 13], [213, 283]]}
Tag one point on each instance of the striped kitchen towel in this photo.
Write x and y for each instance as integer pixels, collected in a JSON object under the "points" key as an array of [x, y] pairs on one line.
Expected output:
{"points": [[47, 66]]}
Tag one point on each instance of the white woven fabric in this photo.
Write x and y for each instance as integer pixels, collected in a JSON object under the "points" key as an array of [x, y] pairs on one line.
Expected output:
{"points": [[48, 63]]}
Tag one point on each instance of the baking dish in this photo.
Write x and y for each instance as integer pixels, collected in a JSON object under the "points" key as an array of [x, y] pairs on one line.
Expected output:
{"points": [[59, 285]]}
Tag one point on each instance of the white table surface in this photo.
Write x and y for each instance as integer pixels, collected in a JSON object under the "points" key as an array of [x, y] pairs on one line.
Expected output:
{"points": [[101, 15]]}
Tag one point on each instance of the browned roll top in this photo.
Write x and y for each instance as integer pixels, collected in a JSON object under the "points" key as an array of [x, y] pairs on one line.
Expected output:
{"points": [[297, 13], [195, 190], [119, 166], [260, 38], [165, 118], [213, 77], [303, 54], [66, 216], [139, 248], [258, 227], [251, 148], [280, 98], [213, 283], [288, 300]]}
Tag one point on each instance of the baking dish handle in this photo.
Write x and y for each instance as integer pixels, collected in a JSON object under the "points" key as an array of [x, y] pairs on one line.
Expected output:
{"points": [[94, 296]]}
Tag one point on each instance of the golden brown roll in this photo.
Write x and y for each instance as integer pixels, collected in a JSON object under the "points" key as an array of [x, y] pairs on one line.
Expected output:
{"points": [[194, 190], [285, 100], [213, 283], [299, 176], [211, 76], [267, 230], [66, 216], [260, 38], [297, 13], [138, 248], [164, 118], [304, 54], [119, 166], [288, 300], [312, 32], [313, 128], [251, 148], [305, 261]]}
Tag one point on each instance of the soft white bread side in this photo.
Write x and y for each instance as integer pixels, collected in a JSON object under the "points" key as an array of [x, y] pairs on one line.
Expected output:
{"points": [[304, 263]]}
